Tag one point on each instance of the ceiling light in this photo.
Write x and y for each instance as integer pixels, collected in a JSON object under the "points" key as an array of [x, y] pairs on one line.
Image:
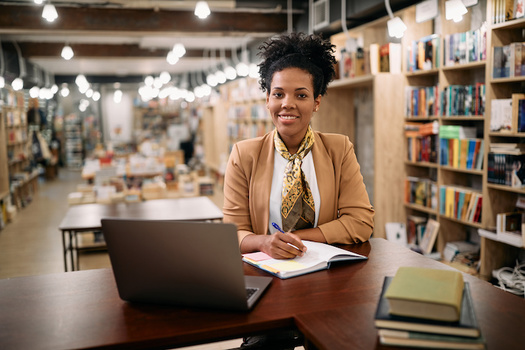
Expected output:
{"points": [[149, 80], [117, 96], [33, 92], [172, 58], [67, 53], [396, 26], [242, 69], [96, 96], [89, 93], [64, 92], [54, 89], [230, 72], [454, 10], [38, 2], [17, 84], [221, 77], [179, 50], [50, 12], [165, 77], [202, 10]]}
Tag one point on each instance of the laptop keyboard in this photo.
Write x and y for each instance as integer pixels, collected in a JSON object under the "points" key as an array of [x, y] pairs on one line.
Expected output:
{"points": [[250, 292]]}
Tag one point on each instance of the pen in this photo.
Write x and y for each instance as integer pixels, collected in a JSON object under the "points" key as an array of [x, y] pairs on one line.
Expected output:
{"points": [[281, 230]]}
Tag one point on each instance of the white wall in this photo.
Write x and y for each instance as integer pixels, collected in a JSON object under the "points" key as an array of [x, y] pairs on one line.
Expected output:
{"points": [[117, 117]]}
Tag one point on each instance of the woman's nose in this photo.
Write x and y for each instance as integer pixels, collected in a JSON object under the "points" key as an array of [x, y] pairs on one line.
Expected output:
{"points": [[288, 103]]}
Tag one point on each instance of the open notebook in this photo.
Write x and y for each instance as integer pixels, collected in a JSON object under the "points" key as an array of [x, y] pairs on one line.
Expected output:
{"points": [[318, 256]]}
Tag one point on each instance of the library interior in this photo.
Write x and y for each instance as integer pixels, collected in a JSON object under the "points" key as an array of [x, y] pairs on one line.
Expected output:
{"points": [[131, 109]]}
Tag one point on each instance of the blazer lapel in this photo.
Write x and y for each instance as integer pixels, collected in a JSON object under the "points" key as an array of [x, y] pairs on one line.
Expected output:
{"points": [[261, 186], [324, 171]]}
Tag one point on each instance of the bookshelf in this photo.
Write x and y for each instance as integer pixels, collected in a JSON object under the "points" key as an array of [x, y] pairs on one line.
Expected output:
{"points": [[366, 108], [500, 198]]}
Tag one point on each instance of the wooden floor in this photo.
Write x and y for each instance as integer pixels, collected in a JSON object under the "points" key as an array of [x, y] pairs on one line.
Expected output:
{"points": [[32, 244]]}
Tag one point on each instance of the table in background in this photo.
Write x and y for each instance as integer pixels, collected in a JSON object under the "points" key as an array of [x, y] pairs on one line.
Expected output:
{"points": [[333, 308], [86, 217]]}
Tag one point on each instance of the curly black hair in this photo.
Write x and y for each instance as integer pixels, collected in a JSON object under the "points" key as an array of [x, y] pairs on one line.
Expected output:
{"points": [[297, 50]]}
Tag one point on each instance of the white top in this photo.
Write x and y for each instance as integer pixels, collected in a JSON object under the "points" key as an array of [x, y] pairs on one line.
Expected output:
{"points": [[279, 165]]}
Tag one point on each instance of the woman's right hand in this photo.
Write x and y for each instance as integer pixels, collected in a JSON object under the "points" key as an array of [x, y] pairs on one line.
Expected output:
{"points": [[282, 245]]}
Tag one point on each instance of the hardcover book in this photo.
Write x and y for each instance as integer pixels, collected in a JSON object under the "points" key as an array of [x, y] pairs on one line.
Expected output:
{"points": [[426, 293], [428, 340], [466, 326]]}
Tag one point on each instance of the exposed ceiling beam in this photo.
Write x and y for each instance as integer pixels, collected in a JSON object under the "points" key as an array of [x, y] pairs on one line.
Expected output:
{"points": [[98, 20], [42, 50]]}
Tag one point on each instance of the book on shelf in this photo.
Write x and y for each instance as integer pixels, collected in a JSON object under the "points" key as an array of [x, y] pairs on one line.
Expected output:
{"points": [[518, 112], [415, 229], [422, 101], [506, 168], [508, 60], [501, 115], [396, 232], [429, 236], [421, 191], [422, 141], [463, 100], [465, 47], [390, 58], [458, 247], [509, 228], [426, 293], [466, 326], [319, 256], [423, 54], [460, 203]]}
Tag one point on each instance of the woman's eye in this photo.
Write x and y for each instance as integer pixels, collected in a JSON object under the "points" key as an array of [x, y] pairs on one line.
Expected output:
{"points": [[302, 96], [277, 94]]}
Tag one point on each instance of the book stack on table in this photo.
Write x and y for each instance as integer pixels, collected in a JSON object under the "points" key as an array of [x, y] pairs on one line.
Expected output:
{"points": [[427, 308]]}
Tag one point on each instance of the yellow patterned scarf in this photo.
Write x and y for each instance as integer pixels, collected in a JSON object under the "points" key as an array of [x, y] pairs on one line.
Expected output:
{"points": [[297, 209]]}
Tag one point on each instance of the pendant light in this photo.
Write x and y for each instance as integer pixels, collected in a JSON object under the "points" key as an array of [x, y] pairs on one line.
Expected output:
{"points": [[202, 10], [454, 10], [396, 26], [50, 12], [67, 52]]}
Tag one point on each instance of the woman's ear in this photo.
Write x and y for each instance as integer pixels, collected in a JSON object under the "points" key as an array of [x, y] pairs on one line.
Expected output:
{"points": [[317, 103]]}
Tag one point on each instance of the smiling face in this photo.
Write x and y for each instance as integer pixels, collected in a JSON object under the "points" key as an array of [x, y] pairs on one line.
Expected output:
{"points": [[291, 103]]}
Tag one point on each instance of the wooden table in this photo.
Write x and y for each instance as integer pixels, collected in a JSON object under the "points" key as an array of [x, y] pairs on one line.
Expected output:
{"points": [[86, 217], [334, 309]]}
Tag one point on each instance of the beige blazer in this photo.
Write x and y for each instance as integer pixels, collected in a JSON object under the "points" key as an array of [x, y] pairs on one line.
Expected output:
{"points": [[346, 215]]}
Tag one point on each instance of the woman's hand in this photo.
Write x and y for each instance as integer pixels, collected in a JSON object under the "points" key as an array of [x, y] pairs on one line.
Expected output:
{"points": [[278, 245], [283, 245]]}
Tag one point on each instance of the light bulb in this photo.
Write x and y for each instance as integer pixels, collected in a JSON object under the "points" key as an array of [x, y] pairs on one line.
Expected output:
{"points": [[50, 12], [17, 84], [179, 50], [67, 53], [202, 10]]}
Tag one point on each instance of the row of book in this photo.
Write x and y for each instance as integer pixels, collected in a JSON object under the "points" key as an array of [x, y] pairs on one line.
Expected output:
{"points": [[463, 100], [462, 153], [11, 99], [422, 142], [460, 203], [357, 61], [421, 191], [427, 308], [423, 54], [508, 114], [247, 131], [15, 118], [509, 60], [422, 101], [506, 10], [245, 112], [466, 47], [506, 165], [454, 100]]}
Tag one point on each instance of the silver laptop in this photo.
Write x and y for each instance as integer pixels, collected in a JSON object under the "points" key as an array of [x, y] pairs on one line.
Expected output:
{"points": [[180, 263]]}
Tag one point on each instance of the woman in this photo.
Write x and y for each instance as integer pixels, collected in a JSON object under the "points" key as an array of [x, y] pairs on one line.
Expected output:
{"points": [[324, 197]]}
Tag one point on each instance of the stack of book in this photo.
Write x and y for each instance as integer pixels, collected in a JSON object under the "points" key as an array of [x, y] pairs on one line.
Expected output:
{"points": [[427, 308]]}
